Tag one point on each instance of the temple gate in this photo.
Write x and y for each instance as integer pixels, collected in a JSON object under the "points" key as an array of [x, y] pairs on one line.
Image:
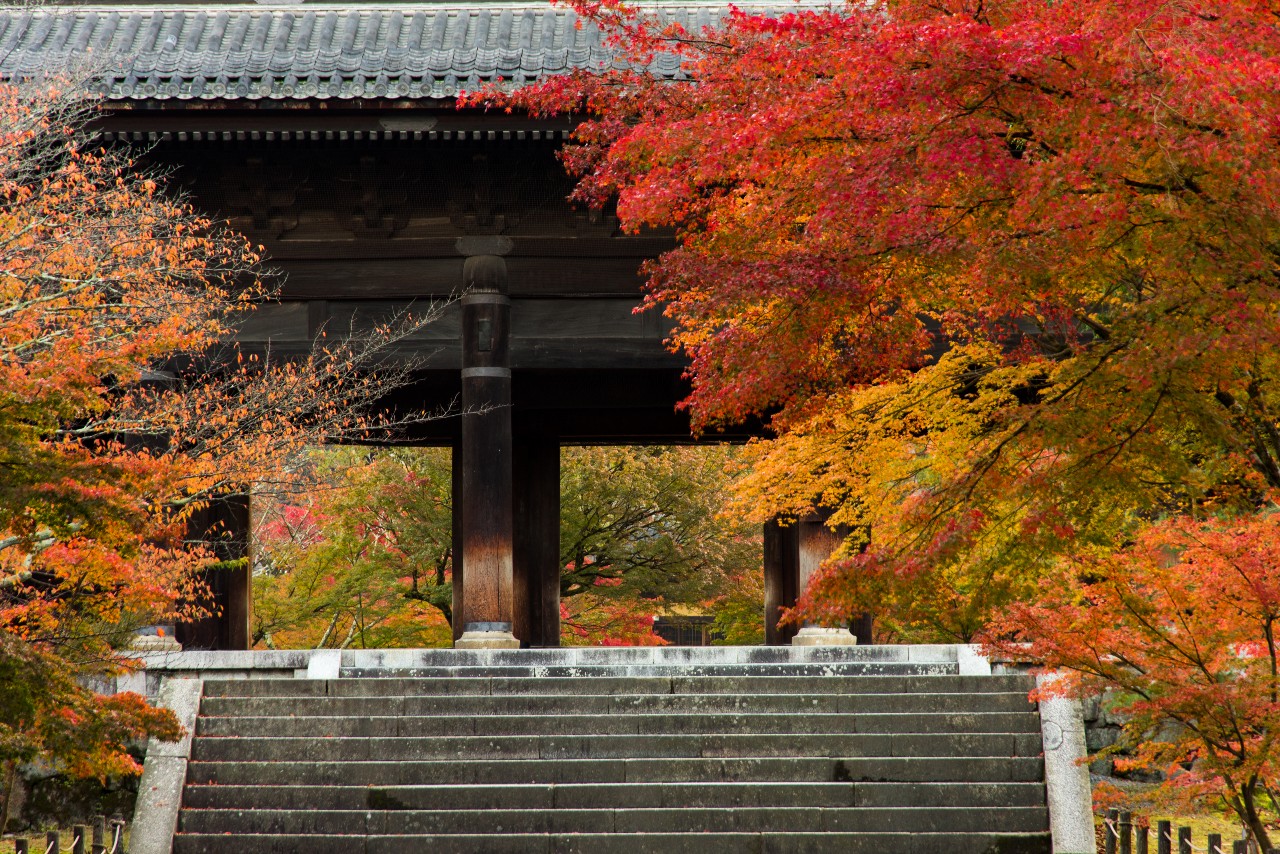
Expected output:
{"points": [[330, 137]]}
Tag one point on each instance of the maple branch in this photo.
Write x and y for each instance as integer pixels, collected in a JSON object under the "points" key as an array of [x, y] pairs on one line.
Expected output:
{"points": [[1043, 88], [1152, 187], [992, 456], [1266, 459]]}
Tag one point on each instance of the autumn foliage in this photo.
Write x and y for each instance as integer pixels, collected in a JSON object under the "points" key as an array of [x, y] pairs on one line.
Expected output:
{"points": [[1182, 627], [1002, 274], [124, 408], [363, 557], [100, 276], [46, 713]]}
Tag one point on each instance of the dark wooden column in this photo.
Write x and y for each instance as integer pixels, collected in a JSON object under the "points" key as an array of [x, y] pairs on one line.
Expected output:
{"points": [[223, 527], [815, 541], [455, 504], [537, 538], [486, 456], [792, 553], [781, 579]]}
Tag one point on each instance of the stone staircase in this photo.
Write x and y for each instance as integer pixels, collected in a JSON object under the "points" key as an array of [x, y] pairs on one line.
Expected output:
{"points": [[788, 750]]}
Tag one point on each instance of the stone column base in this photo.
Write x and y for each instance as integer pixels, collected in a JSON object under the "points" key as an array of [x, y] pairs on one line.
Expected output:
{"points": [[818, 636], [154, 643], [487, 636]]}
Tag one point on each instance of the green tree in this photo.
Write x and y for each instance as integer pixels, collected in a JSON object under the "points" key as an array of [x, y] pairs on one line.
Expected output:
{"points": [[365, 558], [739, 610], [642, 531], [647, 522]]}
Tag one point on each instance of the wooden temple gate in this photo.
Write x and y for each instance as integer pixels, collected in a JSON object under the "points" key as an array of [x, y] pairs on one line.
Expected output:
{"points": [[330, 137]]}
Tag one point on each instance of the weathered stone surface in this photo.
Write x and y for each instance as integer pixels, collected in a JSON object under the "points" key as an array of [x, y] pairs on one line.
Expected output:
{"points": [[621, 752], [286, 663], [816, 636], [155, 815], [646, 843], [1066, 780]]}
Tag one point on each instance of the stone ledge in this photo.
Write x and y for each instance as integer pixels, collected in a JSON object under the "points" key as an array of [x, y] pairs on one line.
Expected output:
{"points": [[289, 664]]}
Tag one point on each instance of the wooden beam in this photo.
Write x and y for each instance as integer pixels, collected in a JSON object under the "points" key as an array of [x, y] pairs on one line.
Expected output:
{"points": [[571, 248], [417, 278], [392, 118]]}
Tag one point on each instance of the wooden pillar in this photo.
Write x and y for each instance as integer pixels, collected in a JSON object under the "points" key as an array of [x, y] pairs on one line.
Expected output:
{"points": [[223, 526], [815, 543], [486, 456], [455, 503], [781, 579], [536, 464], [792, 553], [863, 626]]}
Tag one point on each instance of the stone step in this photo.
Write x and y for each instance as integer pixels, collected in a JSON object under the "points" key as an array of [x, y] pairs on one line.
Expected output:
{"points": [[985, 769], [620, 820], [637, 724], [638, 671], [857, 750], [616, 795], [714, 745], [682, 704], [401, 659], [602, 685], [647, 843]]}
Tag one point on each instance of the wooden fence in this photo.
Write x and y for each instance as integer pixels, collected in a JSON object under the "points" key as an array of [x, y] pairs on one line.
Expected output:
{"points": [[1125, 836], [103, 837]]}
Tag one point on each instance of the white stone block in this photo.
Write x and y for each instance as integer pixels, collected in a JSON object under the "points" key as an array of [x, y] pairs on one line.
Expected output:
{"points": [[324, 664], [155, 815], [817, 636], [971, 662], [487, 640]]}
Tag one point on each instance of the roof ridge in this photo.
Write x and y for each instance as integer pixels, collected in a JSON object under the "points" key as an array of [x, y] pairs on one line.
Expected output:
{"points": [[322, 51], [392, 5]]}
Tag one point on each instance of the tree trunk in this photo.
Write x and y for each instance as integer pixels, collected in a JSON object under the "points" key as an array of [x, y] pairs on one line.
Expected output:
{"points": [[9, 774], [1257, 826]]}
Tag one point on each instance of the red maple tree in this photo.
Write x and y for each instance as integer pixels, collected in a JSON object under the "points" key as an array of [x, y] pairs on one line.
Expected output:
{"points": [[1181, 626], [1002, 274]]}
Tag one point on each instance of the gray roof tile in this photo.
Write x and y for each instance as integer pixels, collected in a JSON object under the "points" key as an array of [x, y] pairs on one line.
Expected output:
{"points": [[299, 52]]}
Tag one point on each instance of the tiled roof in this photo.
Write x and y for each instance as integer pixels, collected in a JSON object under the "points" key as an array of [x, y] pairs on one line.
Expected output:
{"points": [[308, 51]]}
